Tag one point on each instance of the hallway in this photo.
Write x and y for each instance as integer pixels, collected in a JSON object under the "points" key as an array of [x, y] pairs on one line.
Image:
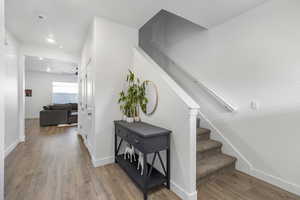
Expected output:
{"points": [[53, 164]]}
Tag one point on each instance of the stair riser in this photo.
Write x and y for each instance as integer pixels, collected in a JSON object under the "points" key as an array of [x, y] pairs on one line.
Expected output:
{"points": [[204, 136], [211, 152], [211, 176]]}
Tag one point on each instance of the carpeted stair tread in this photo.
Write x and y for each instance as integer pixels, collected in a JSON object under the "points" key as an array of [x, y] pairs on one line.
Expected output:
{"points": [[207, 145], [201, 131], [203, 134], [213, 164]]}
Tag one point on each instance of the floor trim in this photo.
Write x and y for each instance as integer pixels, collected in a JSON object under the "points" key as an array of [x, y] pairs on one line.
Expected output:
{"points": [[174, 187], [276, 181], [96, 161], [102, 161], [22, 139], [244, 165], [182, 193], [11, 147]]}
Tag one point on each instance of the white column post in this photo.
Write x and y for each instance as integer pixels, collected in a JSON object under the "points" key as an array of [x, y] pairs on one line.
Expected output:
{"points": [[193, 148]]}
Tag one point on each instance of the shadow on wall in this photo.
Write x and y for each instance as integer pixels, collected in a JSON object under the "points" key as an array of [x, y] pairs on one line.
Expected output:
{"points": [[229, 56], [184, 79], [156, 31], [155, 40]]}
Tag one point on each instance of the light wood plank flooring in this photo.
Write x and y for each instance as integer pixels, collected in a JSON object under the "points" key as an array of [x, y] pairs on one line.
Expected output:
{"points": [[54, 165]]}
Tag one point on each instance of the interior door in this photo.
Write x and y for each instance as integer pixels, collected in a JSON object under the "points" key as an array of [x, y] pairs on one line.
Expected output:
{"points": [[81, 96], [89, 97], [82, 103]]}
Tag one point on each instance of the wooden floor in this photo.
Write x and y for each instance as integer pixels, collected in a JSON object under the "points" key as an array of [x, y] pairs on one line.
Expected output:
{"points": [[54, 165]]}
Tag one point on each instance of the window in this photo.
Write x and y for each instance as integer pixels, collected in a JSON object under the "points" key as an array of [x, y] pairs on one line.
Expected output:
{"points": [[64, 92]]}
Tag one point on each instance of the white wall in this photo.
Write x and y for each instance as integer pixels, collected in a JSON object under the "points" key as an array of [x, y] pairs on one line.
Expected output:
{"points": [[252, 57], [41, 85], [113, 58], [109, 48], [11, 93], [2, 91], [182, 123]]}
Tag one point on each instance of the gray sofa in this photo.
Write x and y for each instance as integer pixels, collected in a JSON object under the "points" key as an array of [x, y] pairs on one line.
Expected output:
{"points": [[59, 114]]}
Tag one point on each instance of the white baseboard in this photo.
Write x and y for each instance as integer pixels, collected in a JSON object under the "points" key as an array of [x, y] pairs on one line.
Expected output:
{"points": [[89, 148], [102, 161], [246, 166], [22, 139], [11, 147], [182, 193], [277, 181], [232, 150], [87, 144], [174, 187], [96, 162]]}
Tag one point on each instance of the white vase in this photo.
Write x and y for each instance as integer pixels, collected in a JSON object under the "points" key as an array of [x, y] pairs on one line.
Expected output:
{"points": [[137, 119], [124, 118], [130, 119]]}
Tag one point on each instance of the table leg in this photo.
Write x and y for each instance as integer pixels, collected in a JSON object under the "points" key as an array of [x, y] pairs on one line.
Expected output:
{"points": [[116, 144], [145, 196], [168, 168], [145, 174]]}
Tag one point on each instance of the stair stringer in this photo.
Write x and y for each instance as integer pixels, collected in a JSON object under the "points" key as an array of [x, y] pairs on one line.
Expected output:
{"points": [[243, 164]]}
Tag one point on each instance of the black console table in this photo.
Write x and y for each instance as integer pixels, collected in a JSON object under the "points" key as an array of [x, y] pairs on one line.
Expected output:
{"points": [[147, 139]]}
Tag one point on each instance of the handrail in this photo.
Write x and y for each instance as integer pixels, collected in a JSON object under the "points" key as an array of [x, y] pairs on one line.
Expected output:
{"points": [[189, 101], [226, 105], [211, 92]]}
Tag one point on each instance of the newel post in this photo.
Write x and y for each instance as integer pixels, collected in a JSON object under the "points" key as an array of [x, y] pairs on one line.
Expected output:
{"points": [[193, 148]]}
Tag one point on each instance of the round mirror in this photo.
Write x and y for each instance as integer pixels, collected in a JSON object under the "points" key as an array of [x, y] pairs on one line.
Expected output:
{"points": [[151, 93]]}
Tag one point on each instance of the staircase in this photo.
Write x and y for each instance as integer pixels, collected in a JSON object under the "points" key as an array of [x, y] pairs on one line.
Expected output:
{"points": [[210, 159]]}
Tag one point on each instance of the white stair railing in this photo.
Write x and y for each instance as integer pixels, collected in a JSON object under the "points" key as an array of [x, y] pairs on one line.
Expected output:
{"points": [[227, 106], [221, 100]]}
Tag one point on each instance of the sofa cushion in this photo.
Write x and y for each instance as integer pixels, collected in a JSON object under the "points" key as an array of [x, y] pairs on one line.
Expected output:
{"points": [[60, 107], [53, 117], [74, 106]]}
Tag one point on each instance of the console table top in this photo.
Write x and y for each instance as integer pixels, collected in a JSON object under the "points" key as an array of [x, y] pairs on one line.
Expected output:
{"points": [[143, 129]]}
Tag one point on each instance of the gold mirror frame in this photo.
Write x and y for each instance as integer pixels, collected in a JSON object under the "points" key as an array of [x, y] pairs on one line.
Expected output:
{"points": [[156, 94]]}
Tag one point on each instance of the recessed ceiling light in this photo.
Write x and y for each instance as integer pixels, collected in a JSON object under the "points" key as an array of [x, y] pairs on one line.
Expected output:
{"points": [[48, 69], [50, 40], [60, 46], [40, 58]]}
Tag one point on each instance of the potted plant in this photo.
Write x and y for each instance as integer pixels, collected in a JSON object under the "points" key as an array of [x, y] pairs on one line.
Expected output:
{"points": [[123, 106], [131, 99]]}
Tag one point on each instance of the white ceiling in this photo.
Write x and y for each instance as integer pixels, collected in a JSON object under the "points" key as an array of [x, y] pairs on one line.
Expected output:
{"points": [[35, 64], [68, 20]]}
